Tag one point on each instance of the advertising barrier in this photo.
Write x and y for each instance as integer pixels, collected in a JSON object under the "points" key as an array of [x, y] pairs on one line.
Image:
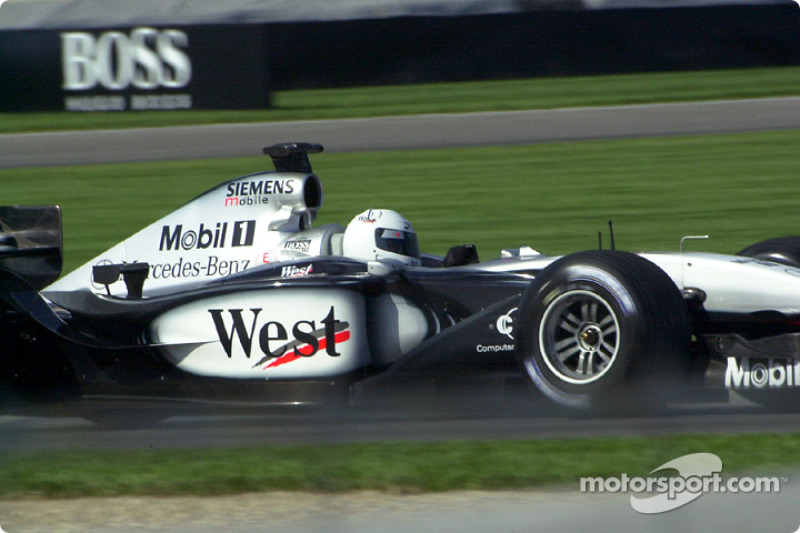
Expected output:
{"points": [[532, 44], [137, 69], [236, 66]]}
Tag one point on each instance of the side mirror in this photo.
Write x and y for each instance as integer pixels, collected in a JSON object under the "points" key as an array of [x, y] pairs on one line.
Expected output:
{"points": [[133, 274]]}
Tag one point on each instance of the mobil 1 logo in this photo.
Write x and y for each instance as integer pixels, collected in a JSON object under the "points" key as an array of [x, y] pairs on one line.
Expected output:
{"points": [[220, 235]]}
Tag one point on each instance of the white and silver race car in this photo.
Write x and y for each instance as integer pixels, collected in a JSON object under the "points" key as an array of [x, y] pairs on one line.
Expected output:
{"points": [[237, 297]]}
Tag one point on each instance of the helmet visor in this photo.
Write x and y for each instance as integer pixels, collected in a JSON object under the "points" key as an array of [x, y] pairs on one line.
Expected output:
{"points": [[397, 242]]}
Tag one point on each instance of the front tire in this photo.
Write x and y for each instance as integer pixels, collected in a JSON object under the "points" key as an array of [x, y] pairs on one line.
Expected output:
{"points": [[783, 250], [604, 330], [786, 251]]}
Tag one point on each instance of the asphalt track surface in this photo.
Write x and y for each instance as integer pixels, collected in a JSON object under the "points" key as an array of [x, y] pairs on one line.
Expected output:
{"points": [[64, 428], [397, 133], [152, 426]]}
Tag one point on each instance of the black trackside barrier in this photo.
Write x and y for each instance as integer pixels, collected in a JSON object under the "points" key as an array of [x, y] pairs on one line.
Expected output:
{"points": [[236, 66], [532, 44]]}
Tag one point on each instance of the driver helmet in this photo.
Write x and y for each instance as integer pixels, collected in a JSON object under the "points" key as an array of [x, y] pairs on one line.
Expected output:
{"points": [[381, 235]]}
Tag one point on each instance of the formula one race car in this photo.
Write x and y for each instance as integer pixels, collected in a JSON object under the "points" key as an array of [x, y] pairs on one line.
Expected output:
{"points": [[236, 297]]}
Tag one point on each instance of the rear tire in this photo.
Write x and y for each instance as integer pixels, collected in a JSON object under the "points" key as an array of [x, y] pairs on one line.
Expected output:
{"points": [[604, 330]]}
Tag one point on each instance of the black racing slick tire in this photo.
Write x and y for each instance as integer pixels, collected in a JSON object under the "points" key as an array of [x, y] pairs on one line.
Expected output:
{"points": [[604, 330], [783, 250]]}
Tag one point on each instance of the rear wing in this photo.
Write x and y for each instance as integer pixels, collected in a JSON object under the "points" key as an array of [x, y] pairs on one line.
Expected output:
{"points": [[30, 243]]}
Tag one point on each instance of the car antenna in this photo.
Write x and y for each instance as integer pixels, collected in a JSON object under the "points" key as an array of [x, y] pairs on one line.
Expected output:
{"points": [[600, 240], [611, 232]]}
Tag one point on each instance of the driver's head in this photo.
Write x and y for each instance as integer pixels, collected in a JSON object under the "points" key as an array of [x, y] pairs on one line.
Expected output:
{"points": [[381, 235]]}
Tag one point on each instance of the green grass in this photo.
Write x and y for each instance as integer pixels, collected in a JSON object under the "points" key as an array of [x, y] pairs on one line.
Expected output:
{"points": [[554, 197], [392, 467], [539, 93]]}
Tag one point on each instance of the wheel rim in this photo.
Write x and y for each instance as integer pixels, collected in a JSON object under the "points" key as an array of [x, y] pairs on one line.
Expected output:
{"points": [[579, 337]]}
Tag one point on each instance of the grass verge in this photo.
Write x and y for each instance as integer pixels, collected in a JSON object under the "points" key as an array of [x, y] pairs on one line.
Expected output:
{"points": [[358, 102], [392, 467]]}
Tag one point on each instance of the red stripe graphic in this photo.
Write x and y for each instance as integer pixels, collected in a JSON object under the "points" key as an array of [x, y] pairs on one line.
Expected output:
{"points": [[342, 336]]}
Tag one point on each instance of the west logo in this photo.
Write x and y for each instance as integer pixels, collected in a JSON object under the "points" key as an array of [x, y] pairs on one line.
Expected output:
{"points": [[296, 271], [276, 340], [204, 237]]}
